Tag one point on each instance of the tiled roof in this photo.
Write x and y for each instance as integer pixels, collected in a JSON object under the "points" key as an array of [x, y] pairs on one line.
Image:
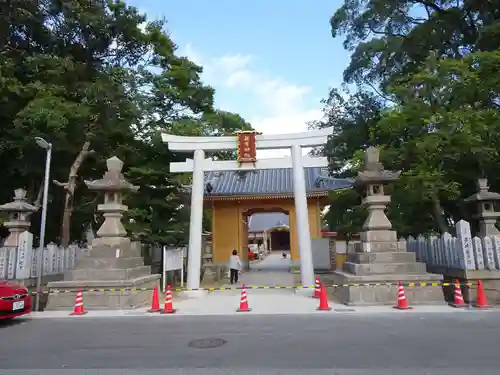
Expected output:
{"points": [[269, 182], [262, 221]]}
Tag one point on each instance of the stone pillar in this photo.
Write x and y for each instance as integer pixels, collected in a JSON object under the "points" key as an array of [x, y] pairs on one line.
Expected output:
{"points": [[302, 218], [196, 222], [486, 214], [19, 211]]}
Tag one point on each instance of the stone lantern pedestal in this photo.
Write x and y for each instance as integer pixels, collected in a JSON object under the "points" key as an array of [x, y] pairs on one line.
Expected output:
{"points": [[380, 258], [113, 263]]}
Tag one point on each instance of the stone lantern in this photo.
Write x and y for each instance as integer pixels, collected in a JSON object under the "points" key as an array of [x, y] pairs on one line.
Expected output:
{"points": [[19, 211], [379, 261], [114, 263], [372, 179], [486, 213], [114, 186]]}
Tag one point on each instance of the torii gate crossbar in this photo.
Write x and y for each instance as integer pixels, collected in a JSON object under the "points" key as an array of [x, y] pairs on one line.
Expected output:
{"points": [[199, 165]]}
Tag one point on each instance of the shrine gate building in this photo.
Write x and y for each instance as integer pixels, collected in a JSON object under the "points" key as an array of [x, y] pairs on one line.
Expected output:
{"points": [[235, 195]]}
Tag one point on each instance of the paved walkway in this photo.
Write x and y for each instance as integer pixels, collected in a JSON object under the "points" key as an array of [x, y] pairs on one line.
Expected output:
{"points": [[272, 270], [273, 262]]}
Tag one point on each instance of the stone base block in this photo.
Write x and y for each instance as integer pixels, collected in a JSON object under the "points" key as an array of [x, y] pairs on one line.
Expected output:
{"points": [[83, 274], [114, 242], [100, 263], [490, 279], [386, 257], [379, 236], [491, 289], [379, 247], [62, 294], [384, 268], [386, 294]]}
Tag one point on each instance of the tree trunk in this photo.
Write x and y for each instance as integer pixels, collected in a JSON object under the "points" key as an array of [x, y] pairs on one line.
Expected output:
{"points": [[437, 212], [70, 188], [38, 200]]}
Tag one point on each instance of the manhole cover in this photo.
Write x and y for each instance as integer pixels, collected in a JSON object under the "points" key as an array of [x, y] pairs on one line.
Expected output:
{"points": [[207, 343]]}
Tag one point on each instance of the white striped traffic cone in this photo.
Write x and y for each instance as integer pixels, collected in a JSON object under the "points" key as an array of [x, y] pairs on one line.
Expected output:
{"points": [[317, 288], [169, 305], [243, 300], [402, 303], [458, 298], [79, 309]]}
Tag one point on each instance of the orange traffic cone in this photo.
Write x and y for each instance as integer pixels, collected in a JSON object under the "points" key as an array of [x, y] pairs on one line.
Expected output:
{"points": [[402, 303], [79, 309], [481, 302], [458, 299], [155, 304], [317, 288], [169, 306], [243, 301], [323, 299]]}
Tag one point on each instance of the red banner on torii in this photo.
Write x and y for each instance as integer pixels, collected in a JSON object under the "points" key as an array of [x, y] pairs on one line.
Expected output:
{"points": [[247, 146]]}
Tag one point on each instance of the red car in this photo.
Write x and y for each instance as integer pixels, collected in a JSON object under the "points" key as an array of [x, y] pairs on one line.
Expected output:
{"points": [[15, 300]]}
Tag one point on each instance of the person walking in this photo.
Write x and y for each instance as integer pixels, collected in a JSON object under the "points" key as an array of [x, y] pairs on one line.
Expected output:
{"points": [[234, 267]]}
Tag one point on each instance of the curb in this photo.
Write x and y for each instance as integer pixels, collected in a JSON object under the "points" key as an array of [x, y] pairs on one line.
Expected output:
{"points": [[342, 310]]}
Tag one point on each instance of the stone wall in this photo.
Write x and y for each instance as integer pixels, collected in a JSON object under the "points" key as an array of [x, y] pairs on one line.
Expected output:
{"points": [[20, 263], [463, 257]]}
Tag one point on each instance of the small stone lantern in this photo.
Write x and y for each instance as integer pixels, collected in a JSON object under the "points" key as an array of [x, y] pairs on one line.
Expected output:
{"points": [[372, 179], [19, 211], [486, 213], [114, 185]]}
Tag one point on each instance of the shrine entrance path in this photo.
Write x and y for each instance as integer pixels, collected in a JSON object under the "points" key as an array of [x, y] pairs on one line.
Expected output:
{"points": [[273, 262], [273, 270]]}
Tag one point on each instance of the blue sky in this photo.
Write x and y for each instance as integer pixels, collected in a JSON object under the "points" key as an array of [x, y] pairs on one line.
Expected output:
{"points": [[269, 61]]}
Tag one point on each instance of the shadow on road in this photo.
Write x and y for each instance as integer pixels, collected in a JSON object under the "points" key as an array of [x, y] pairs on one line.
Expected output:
{"points": [[7, 323]]}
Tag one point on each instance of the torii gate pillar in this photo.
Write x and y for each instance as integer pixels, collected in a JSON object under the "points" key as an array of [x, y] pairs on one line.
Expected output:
{"points": [[196, 221], [246, 144]]}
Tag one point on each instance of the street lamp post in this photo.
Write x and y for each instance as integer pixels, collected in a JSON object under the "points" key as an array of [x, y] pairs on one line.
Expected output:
{"points": [[48, 148]]}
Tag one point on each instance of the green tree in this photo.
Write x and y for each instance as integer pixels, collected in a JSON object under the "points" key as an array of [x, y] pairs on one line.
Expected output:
{"points": [[96, 79], [390, 39], [433, 67], [443, 135]]}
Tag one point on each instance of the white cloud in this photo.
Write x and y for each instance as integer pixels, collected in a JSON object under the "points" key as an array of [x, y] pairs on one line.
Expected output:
{"points": [[280, 106], [192, 54]]}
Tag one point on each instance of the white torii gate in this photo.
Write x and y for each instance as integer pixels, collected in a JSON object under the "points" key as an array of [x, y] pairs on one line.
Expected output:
{"points": [[199, 165]]}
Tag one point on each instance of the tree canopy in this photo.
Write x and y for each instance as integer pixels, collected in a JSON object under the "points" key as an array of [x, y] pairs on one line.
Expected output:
{"points": [[426, 77], [95, 78]]}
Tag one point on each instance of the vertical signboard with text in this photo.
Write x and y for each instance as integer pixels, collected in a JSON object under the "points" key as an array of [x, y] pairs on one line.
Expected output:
{"points": [[247, 146]]}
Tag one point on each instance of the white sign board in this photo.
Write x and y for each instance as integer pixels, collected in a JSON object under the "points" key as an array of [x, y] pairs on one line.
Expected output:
{"points": [[4, 256], [173, 259], [24, 255]]}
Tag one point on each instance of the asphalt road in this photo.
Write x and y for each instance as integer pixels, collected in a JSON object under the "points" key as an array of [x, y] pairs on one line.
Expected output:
{"points": [[339, 344]]}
